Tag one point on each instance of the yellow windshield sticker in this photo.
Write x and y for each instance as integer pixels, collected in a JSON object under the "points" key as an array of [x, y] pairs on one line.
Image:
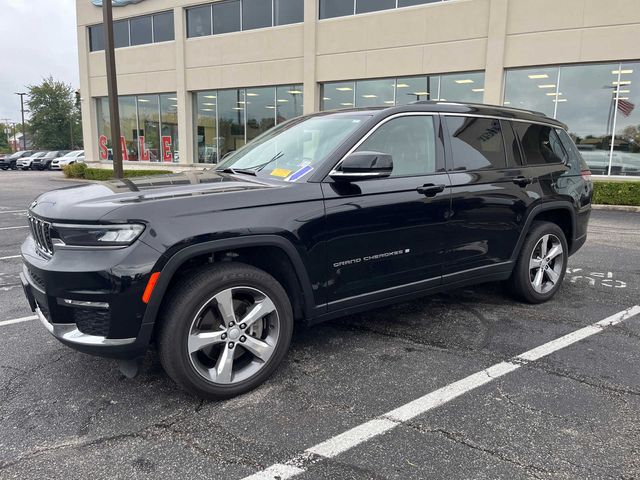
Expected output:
{"points": [[280, 172]]}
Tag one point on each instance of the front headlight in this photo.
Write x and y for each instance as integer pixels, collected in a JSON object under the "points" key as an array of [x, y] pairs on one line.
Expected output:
{"points": [[96, 235]]}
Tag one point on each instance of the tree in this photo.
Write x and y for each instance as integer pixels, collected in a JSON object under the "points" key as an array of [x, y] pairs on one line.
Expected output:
{"points": [[54, 115], [5, 132]]}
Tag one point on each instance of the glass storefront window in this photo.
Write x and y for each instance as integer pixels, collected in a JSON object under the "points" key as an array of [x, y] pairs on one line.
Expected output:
{"points": [[104, 128], [414, 89], [288, 11], [585, 102], [336, 8], [626, 154], [364, 6], [462, 87], [532, 89], [129, 126], [226, 16], [206, 127], [408, 3], [261, 111], [373, 93], [256, 14], [338, 95], [149, 128], [141, 30], [199, 21], [288, 102], [231, 104], [169, 147], [163, 27]]}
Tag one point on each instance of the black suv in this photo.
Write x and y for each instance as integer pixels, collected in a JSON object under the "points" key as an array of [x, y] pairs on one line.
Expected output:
{"points": [[44, 162], [319, 217]]}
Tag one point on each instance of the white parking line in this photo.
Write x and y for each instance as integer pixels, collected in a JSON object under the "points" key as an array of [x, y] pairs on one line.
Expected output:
{"points": [[386, 422], [12, 211], [18, 320], [13, 228], [10, 256]]}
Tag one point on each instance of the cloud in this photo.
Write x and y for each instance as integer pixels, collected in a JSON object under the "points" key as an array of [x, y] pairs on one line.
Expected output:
{"points": [[38, 40]]}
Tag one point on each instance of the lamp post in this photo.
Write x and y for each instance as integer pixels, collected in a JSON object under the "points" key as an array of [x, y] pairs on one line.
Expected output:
{"points": [[112, 87], [24, 134]]}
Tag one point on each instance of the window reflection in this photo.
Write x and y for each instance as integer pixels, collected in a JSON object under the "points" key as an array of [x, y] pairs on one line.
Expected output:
{"points": [[261, 111], [206, 128], [199, 21], [129, 127], [169, 126], [414, 89], [149, 127], [231, 105], [532, 89], [338, 95], [462, 87], [289, 102], [371, 93], [626, 155]]}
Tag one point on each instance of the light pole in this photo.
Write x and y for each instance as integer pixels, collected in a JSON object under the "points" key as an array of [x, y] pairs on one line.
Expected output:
{"points": [[112, 87], [24, 134]]}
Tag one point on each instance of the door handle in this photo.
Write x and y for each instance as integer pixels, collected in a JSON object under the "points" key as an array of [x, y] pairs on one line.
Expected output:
{"points": [[430, 189], [522, 181]]}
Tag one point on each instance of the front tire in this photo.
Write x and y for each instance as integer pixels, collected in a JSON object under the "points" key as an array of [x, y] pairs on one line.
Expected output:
{"points": [[541, 264], [224, 330]]}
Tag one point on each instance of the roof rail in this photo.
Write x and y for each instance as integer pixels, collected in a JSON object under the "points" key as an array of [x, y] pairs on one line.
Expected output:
{"points": [[483, 105]]}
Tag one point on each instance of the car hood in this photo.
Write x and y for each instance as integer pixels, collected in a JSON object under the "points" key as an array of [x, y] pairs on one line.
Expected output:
{"points": [[93, 201]]}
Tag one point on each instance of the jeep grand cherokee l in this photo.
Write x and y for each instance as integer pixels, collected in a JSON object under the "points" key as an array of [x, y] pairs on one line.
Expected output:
{"points": [[321, 216]]}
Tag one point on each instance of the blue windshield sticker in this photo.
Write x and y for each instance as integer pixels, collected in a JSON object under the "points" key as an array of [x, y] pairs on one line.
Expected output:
{"points": [[300, 173]]}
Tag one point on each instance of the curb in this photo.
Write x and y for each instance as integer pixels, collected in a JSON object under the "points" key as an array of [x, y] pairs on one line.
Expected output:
{"points": [[72, 180], [617, 208]]}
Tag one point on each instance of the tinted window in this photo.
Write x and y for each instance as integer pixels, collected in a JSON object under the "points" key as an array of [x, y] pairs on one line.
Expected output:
{"points": [[199, 21], [96, 38], [141, 30], [476, 143], [407, 3], [288, 11], [411, 143], [540, 143], [121, 33], [256, 14], [511, 143], [363, 6], [226, 16], [163, 27], [335, 8]]}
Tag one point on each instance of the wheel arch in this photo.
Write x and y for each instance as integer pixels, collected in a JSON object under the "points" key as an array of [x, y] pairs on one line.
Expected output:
{"points": [[558, 212], [287, 267]]}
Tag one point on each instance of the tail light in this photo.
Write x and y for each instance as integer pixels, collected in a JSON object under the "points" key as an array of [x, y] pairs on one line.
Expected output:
{"points": [[586, 175]]}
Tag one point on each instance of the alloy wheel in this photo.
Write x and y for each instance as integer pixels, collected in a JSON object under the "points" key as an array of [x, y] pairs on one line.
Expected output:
{"points": [[233, 335], [546, 264]]}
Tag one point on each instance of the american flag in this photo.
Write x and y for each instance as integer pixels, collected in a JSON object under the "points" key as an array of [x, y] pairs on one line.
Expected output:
{"points": [[625, 107]]}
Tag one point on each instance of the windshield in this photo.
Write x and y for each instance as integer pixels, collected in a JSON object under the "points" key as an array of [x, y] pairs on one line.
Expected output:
{"points": [[38, 154], [294, 149], [51, 155]]}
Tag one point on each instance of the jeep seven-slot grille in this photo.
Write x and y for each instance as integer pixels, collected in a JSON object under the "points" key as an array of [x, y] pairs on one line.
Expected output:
{"points": [[41, 232]]}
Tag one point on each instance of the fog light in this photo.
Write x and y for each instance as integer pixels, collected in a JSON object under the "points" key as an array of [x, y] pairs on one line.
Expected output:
{"points": [[82, 303]]}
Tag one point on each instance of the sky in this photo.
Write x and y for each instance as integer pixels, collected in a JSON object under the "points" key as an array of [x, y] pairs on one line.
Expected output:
{"points": [[38, 39]]}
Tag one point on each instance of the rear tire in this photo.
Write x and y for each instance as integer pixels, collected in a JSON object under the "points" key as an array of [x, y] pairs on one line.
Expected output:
{"points": [[541, 264], [224, 330]]}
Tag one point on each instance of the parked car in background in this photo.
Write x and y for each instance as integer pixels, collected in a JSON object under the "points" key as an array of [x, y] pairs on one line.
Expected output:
{"points": [[44, 163], [26, 163], [9, 162], [75, 156]]}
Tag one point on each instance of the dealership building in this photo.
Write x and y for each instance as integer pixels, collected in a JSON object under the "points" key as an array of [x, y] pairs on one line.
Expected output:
{"points": [[197, 80]]}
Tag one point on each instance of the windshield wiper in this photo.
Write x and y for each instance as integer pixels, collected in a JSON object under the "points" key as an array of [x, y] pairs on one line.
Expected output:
{"points": [[247, 171]]}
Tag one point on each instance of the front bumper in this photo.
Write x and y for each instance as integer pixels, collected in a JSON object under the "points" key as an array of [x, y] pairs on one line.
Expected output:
{"points": [[88, 300]]}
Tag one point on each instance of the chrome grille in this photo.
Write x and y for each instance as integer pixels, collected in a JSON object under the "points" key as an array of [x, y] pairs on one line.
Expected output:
{"points": [[41, 233]]}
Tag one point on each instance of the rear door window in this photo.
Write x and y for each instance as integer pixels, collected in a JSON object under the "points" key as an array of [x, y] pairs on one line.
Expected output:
{"points": [[540, 143], [514, 157], [476, 143]]}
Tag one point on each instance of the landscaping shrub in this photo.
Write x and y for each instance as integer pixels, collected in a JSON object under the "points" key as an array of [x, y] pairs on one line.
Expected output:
{"points": [[616, 193], [80, 170]]}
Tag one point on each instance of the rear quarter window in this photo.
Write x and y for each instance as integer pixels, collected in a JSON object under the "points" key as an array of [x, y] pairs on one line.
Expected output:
{"points": [[577, 164], [540, 143]]}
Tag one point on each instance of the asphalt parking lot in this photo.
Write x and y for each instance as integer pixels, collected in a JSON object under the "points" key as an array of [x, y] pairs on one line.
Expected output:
{"points": [[574, 413]]}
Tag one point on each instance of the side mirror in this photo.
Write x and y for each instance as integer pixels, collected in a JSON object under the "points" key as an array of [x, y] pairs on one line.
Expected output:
{"points": [[363, 166]]}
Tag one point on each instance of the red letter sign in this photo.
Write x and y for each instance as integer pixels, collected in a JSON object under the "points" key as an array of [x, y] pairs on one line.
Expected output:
{"points": [[102, 146], [144, 153], [167, 156], [123, 146]]}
